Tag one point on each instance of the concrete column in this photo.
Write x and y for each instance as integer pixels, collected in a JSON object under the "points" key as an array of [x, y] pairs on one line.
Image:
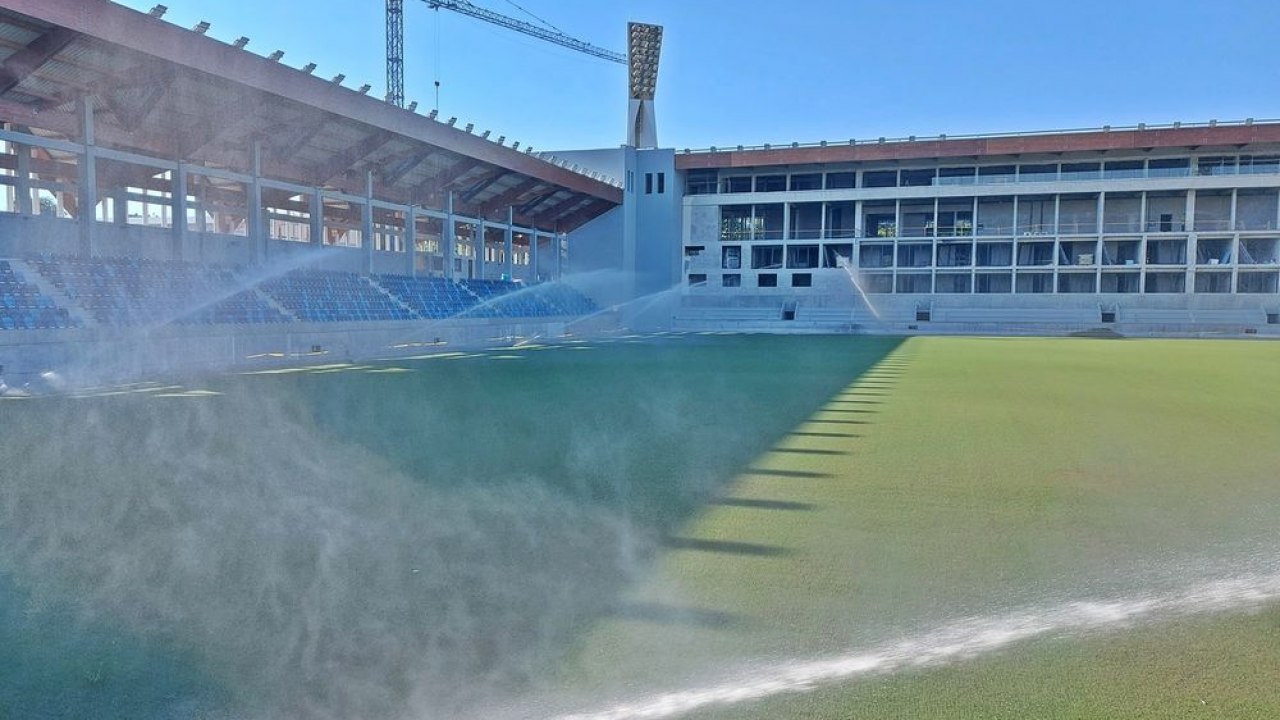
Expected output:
{"points": [[316, 221], [22, 186], [448, 236], [533, 257], [508, 242], [411, 241], [478, 247], [88, 196], [558, 239], [366, 228], [257, 230], [179, 211]]}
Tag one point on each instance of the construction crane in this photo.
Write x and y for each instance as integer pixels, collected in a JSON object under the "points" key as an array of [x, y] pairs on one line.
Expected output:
{"points": [[395, 39]]}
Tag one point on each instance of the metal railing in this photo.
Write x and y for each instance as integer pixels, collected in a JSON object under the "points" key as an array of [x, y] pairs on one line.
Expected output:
{"points": [[988, 136]]}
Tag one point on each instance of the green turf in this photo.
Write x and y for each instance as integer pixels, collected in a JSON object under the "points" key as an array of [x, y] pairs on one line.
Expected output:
{"points": [[984, 475], [598, 520]]}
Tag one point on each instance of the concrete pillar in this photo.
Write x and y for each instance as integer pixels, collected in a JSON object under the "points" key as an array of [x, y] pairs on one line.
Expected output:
{"points": [[257, 231], [508, 242], [179, 211], [88, 196], [316, 221], [558, 239], [448, 236], [366, 228], [411, 241], [478, 248], [533, 257], [22, 185]]}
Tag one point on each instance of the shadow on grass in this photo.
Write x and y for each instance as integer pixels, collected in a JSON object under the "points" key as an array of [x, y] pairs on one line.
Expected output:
{"points": [[759, 504], [730, 547], [798, 474]]}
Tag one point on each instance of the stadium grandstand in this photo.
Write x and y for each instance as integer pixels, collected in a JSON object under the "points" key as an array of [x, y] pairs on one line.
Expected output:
{"points": [[155, 178], [152, 177]]}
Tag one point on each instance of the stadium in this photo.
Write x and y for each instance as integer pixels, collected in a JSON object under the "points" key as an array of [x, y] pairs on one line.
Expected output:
{"points": [[313, 405]]}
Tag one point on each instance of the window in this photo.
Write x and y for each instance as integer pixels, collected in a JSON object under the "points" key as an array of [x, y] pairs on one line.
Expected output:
{"points": [[767, 280], [842, 180], [771, 183], [766, 257], [698, 279], [648, 183], [731, 280], [802, 256], [701, 182], [807, 181], [916, 178], [731, 257], [880, 178], [662, 183], [737, 184], [802, 280]]}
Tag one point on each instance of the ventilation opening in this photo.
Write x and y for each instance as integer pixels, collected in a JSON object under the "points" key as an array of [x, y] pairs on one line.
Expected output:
{"points": [[1108, 316], [1273, 318], [923, 315], [789, 311]]}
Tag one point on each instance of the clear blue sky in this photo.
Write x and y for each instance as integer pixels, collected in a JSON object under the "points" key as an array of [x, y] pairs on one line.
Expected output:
{"points": [[751, 71]]}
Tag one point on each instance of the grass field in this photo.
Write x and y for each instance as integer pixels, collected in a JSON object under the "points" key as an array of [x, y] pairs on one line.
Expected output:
{"points": [[572, 525], [984, 476]]}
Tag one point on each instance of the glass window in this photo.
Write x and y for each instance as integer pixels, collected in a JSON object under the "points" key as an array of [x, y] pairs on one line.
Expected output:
{"points": [[842, 180], [771, 183], [807, 181], [767, 280]]}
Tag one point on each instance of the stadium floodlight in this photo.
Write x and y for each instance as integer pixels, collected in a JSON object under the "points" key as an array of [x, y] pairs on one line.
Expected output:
{"points": [[515, 145], [485, 135], [452, 120], [644, 46], [241, 42], [470, 127], [413, 106], [275, 56], [365, 88], [502, 139], [337, 79], [433, 114], [309, 68], [158, 11], [201, 27], [529, 150]]}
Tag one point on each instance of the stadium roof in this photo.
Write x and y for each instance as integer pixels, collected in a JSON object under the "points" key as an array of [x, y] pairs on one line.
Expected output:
{"points": [[1205, 136], [165, 91]]}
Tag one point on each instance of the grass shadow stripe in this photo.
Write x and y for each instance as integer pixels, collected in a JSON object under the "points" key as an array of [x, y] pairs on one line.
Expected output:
{"points": [[760, 504], [730, 547], [771, 472], [807, 433], [809, 451]]}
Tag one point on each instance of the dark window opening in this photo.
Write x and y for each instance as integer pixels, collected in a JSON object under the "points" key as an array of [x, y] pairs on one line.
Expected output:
{"points": [[731, 280], [662, 183], [807, 181], [880, 178], [767, 280], [648, 183], [771, 183], [698, 279], [802, 280], [842, 180], [731, 257]]}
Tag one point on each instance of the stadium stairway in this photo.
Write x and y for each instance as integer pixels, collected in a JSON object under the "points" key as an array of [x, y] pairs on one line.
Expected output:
{"points": [[48, 289], [275, 304], [374, 284]]}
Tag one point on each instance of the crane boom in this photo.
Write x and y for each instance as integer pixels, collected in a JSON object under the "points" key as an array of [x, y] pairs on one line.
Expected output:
{"points": [[520, 26]]}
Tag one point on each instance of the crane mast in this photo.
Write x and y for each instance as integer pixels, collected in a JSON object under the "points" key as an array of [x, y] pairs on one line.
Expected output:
{"points": [[395, 52], [395, 39]]}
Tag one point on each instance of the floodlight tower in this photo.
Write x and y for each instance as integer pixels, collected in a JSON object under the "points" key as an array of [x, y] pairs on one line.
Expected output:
{"points": [[644, 45]]}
